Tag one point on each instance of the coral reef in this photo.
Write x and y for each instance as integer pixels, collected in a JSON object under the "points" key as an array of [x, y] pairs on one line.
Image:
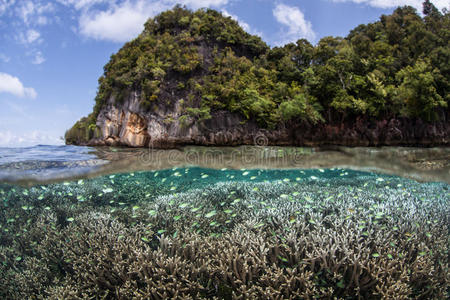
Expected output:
{"points": [[196, 233]]}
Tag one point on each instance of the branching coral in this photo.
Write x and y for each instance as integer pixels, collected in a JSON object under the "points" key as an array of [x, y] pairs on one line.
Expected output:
{"points": [[361, 237]]}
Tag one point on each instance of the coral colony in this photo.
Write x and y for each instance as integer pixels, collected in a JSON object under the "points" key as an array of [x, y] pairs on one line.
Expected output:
{"points": [[192, 233]]}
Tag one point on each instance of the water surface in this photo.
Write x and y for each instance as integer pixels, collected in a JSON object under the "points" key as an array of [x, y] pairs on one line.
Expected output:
{"points": [[45, 164]]}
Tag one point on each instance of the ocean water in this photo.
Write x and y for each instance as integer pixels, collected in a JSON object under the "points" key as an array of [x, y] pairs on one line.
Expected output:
{"points": [[224, 223]]}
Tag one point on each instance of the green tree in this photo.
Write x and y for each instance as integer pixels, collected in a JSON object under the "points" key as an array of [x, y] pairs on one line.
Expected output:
{"points": [[417, 91], [429, 8], [300, 106]]}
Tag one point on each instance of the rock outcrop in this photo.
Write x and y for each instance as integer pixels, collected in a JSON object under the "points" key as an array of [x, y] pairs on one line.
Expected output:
{"points": [[127, 124]]}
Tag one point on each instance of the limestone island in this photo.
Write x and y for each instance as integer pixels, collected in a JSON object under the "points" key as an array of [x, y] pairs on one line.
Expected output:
{"points": [[197, 78]]}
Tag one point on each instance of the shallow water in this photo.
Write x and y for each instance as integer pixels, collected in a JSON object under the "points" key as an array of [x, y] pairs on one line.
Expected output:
{"points": [[47, 164], [248, 223]]}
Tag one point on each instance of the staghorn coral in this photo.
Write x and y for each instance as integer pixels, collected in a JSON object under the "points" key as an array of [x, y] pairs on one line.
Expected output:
{"points": [[344, 237]]}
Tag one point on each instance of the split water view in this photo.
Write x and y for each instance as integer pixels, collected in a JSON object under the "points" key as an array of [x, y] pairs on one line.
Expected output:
{"points": [[252, 223], [230, 149]]}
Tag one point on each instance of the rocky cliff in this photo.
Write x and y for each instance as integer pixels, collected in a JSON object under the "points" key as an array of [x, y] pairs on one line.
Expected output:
{"points": [[197, 78], [129, 125]]}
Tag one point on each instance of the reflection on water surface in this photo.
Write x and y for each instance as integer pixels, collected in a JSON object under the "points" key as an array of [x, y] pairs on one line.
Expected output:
{"points": [[49, 163]]}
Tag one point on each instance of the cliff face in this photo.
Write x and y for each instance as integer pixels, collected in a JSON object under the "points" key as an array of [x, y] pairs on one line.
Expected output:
{"points": [[129, 125]]}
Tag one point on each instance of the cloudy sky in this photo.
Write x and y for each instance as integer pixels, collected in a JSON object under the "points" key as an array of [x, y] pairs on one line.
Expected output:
{"points": [[52, 52]]}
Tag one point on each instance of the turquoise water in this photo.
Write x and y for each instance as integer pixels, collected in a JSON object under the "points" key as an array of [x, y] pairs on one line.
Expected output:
{"points": [[41, 163], [192, 232]]}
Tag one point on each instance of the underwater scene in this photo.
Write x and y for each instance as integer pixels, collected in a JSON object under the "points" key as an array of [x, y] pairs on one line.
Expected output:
{"points": [[91, 224]]}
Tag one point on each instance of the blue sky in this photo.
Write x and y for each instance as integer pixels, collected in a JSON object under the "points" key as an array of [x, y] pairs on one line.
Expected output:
{"points": [[52, 52]]}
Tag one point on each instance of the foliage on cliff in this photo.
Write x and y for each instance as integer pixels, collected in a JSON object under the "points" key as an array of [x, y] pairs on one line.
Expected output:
{"points": [[82, 131], [395, 67]]}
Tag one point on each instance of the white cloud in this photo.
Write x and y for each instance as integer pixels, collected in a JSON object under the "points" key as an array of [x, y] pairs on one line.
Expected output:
{"points": [[12, 85], [38, 58], [82, 4], [32, 138], [203, 3], [7, 138], [41, 20], [440, 4], [5, 5], [27, 17], [29, 37], [32, 36], [243, 24], [294, 19], [120, 23], [30, 11], [26, 10], [87, 4]]}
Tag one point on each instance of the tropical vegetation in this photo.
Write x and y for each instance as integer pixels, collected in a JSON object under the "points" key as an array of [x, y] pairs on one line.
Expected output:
{"points": [[393, 68]]}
